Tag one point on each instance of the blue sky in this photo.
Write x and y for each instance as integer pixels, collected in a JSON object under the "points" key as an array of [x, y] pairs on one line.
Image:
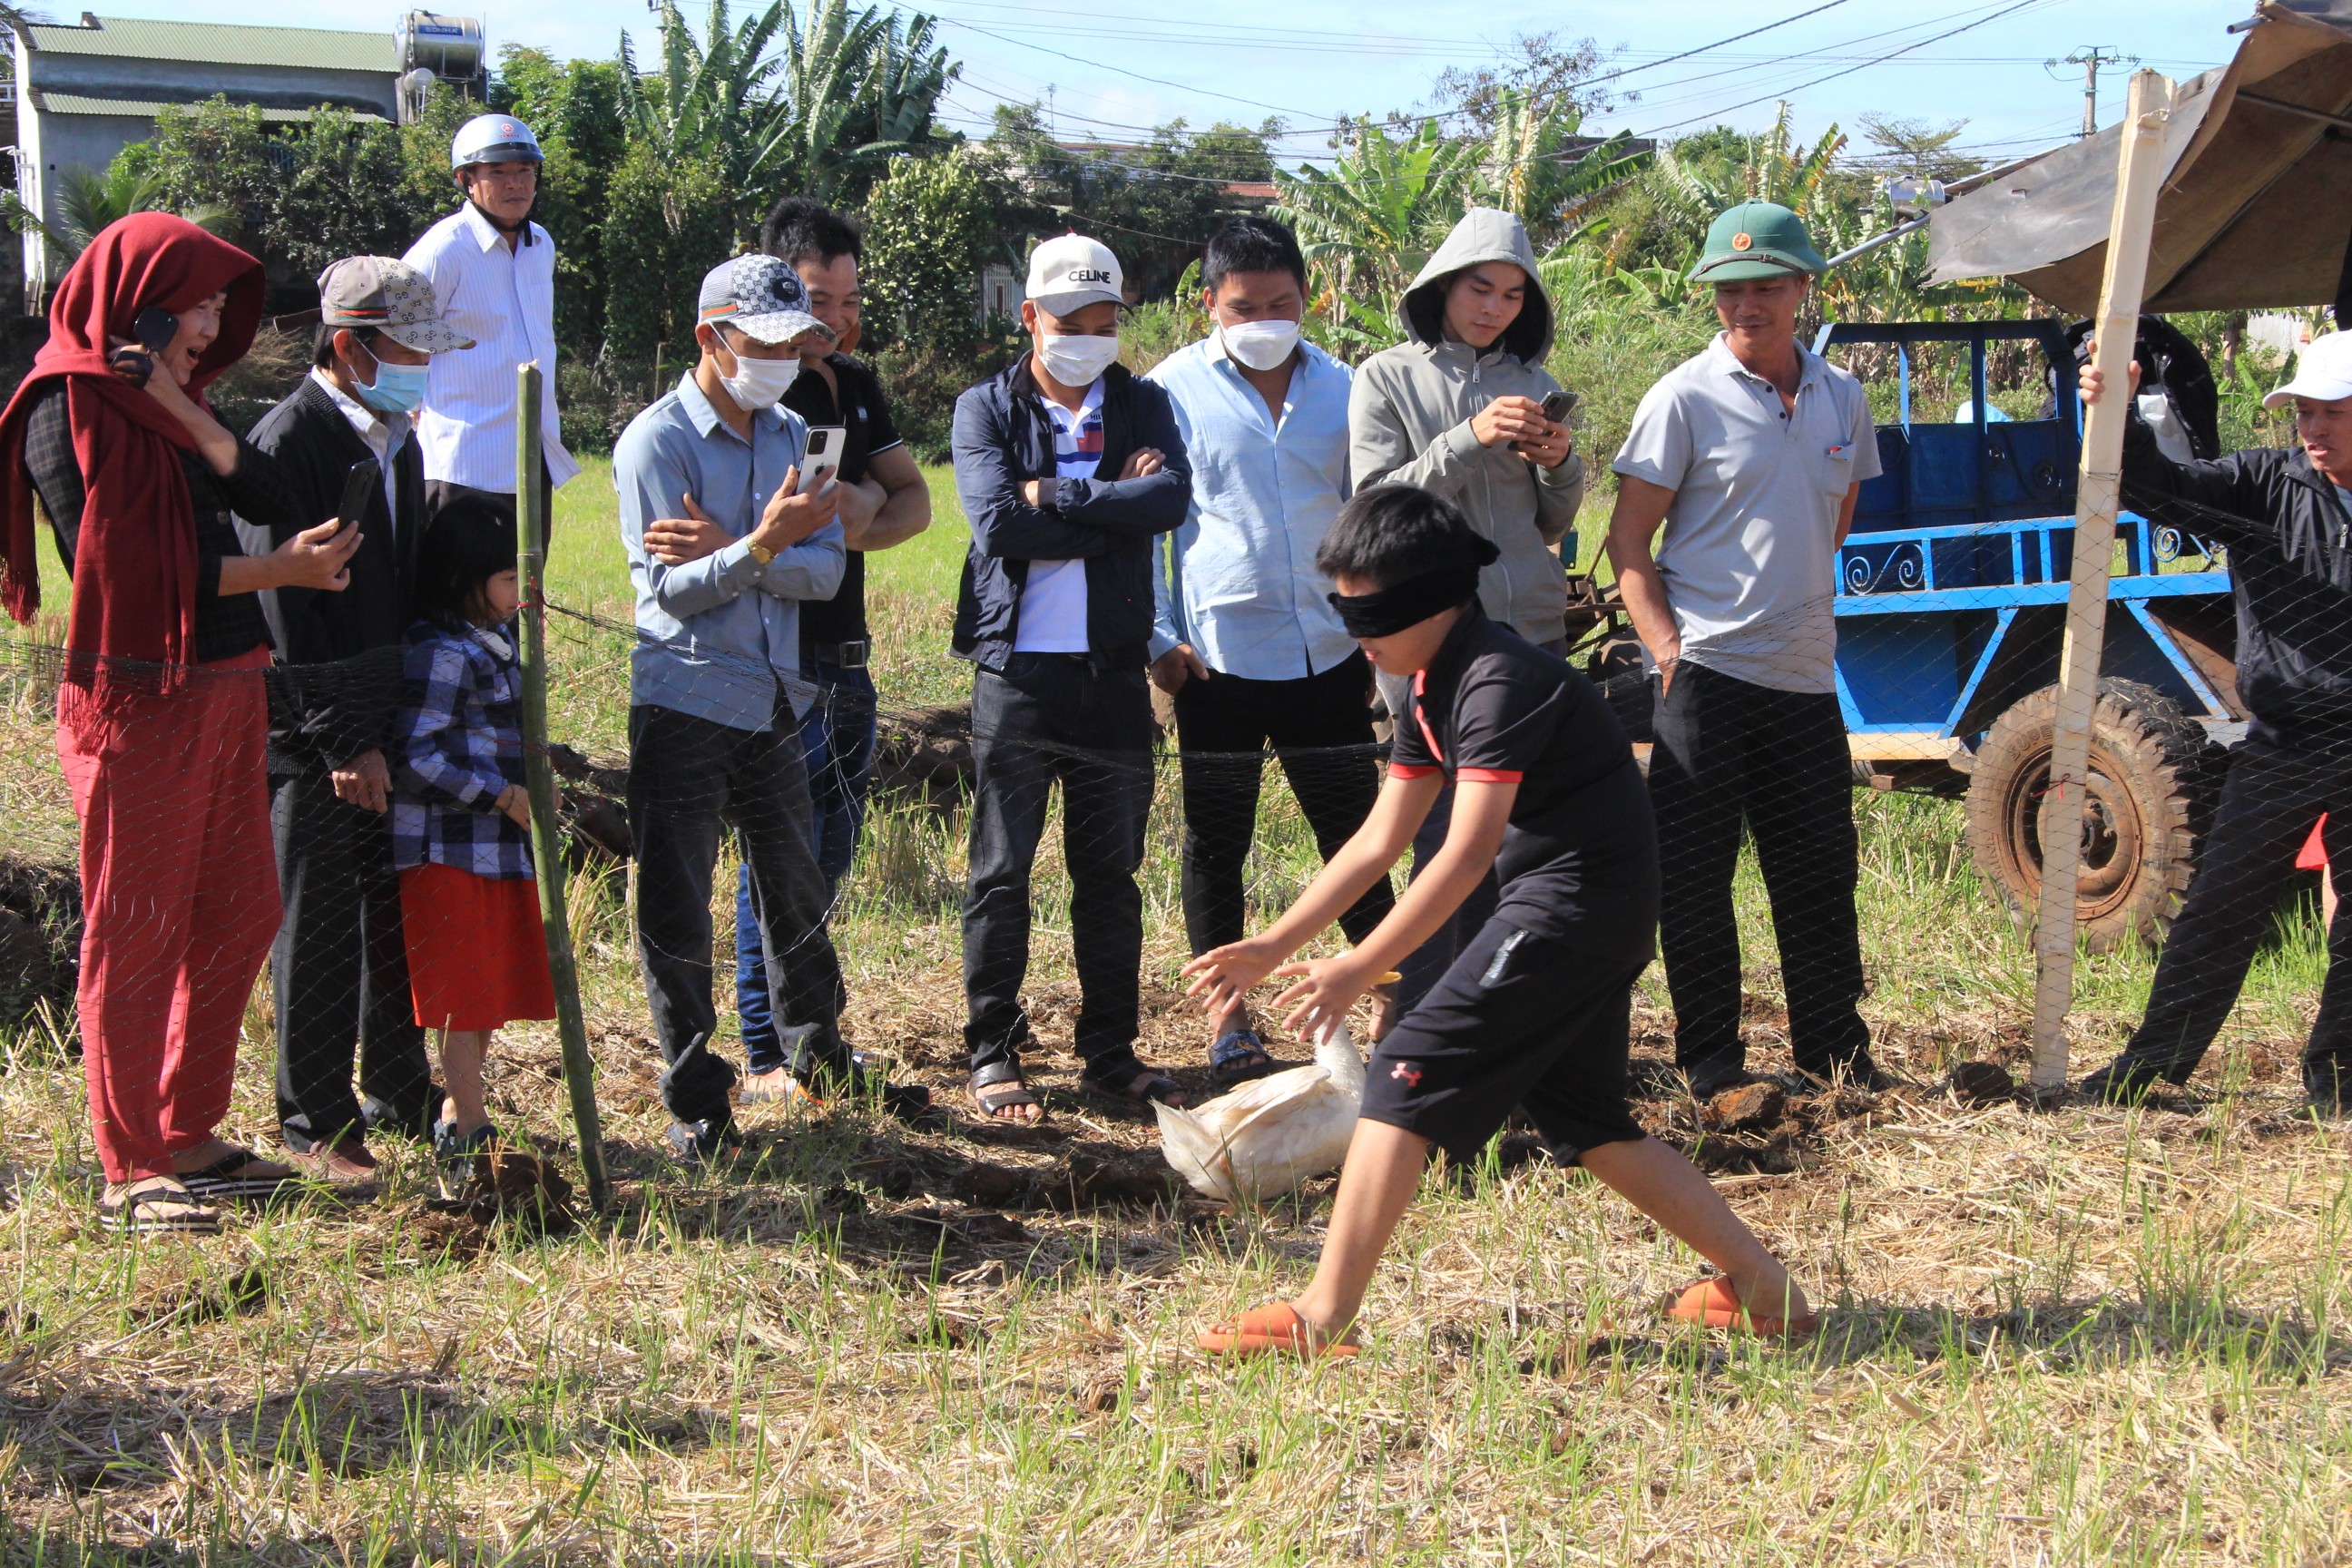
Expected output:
{"points": [[1112, 68]]}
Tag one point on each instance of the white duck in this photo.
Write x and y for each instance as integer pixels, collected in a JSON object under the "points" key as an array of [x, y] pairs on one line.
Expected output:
{"points": [[1274, 1132]]}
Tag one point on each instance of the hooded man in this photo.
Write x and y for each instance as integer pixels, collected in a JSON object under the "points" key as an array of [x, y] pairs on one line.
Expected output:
{"points": [[1749, 457], [1457, 409]]}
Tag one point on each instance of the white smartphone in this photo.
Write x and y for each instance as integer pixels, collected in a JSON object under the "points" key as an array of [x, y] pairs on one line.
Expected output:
{"points": [[821, 457]]}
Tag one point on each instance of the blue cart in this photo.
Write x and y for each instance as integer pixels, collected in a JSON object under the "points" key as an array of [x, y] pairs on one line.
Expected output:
{"points": [[1951, 602]]}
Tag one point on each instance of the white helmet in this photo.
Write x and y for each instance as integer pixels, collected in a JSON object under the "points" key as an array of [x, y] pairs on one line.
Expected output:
{"points": [[494, 138]]}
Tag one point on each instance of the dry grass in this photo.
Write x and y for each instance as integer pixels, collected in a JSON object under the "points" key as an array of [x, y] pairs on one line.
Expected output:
{"points": [[2085, 1336]]}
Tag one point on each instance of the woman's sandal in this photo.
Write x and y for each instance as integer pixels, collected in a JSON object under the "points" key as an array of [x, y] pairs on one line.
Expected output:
{"points": [[1275, 1329], [237, 1174], [1238, 1057], [156, 1206], [1711, 1304], [1137, 1085], [1002, 1094]]}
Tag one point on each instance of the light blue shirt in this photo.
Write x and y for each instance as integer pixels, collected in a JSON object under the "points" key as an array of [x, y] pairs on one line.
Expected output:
{"points": [[718, 636], [1237, 580]]}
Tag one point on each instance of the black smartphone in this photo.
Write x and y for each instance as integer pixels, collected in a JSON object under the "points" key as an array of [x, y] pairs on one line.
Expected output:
{"points": [[155, 327], [360, 487], [1558, 406]]}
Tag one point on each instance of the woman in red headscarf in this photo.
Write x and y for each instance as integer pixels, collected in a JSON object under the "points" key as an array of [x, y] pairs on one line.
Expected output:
{"points": [[161, 718]]}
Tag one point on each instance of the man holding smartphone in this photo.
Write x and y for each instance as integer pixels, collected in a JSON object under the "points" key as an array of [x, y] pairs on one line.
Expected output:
{"points": [[345, 444], [713, 735]]}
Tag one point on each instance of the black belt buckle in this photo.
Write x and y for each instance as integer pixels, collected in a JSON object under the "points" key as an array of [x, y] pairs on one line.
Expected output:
{"points": [[851, 655]]}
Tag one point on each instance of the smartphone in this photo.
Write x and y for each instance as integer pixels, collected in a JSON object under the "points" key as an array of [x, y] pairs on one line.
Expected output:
{"points": [[155, 327], [361, 486], [1558, 406], [821, 457]]}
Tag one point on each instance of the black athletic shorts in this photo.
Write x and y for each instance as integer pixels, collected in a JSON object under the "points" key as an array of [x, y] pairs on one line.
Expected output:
{"points": [[1520, 1020]]}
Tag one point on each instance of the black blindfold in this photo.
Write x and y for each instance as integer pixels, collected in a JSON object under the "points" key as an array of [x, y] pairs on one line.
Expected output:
{"points": [[1408, 603]]}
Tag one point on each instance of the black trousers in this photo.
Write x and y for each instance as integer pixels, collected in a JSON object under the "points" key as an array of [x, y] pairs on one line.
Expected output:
{"points": [[439, 493], [1320, 727], [689, 778], [2268, 804], [1729, 752], [1048, 717], [340, 969]]}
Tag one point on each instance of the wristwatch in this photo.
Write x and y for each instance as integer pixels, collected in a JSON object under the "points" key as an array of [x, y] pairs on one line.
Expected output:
{"points": [[760, 553]]}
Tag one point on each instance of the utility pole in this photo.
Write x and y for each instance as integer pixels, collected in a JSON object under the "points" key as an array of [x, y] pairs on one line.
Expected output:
{"points": [[2090, 57]]}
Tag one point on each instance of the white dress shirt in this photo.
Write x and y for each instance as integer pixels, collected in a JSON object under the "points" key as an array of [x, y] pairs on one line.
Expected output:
{"points": [[504, 299], [1237, 581], [384, 433]]}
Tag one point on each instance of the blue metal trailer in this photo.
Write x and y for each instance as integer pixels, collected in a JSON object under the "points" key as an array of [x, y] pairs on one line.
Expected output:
{"points": [[1951, 603]]}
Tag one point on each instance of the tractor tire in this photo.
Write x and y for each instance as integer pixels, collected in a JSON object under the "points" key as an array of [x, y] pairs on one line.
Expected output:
{"points": [[2145, 814]]}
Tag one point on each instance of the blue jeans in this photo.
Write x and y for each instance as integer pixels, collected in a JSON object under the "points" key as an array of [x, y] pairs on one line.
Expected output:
{"points": [[837, 738]]}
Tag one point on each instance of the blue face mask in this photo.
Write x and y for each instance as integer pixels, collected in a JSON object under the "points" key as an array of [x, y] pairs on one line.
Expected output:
{"points": [[398, 389]]}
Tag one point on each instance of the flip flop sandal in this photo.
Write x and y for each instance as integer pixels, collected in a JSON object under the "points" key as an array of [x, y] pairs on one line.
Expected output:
{"points": [[1010, 1094], [1711, 1304], [1275, 1329], [158, 1211], [449, 1144], [231, 1177], [1238, 1057], [1137, 1085], [764, 1094]]}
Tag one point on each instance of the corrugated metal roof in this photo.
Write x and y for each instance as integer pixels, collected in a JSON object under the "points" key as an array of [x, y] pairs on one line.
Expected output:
{"points": [[77, 104], [221, 43]]}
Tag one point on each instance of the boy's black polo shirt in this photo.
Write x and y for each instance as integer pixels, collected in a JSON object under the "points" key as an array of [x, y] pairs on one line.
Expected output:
{"points": [[1580, 860]]}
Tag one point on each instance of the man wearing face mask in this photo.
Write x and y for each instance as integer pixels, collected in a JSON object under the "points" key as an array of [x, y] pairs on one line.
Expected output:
{"points": [[495, 272], [1070, 469], [1245, 639], [714, 740], [340, 968]]}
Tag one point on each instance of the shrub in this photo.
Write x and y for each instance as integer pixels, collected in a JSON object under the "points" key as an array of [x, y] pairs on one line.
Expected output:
{"points": [[924, 384]]}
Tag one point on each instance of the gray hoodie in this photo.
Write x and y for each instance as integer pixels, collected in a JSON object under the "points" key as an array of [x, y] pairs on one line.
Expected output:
{"points": [[1409, 423]]}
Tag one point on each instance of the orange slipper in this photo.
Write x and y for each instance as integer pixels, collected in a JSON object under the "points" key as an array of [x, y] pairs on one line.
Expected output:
{"points": [[1711, 1304], [1272, 1329]]}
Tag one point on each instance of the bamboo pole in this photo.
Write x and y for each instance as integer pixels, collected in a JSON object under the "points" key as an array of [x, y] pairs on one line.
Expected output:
{"points": [[546, 841], [2097, 498]]}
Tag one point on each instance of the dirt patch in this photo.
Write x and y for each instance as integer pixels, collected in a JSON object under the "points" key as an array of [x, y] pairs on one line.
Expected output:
{"points": [[923, 755]]}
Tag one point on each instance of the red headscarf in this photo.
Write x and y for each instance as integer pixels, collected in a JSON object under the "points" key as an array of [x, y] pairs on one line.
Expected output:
{"points": [[134, 582]]}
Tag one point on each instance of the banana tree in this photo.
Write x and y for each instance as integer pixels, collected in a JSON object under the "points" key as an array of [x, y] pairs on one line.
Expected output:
{"points": [[1533, 168], [1369, 222]]}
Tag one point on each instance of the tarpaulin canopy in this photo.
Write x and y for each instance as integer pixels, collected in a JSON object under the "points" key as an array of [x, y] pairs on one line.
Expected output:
{"points": [[2255, 209]]}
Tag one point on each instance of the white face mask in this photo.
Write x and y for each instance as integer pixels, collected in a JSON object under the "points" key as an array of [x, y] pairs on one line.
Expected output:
{"points": [[1076, 362], [757, 384], [1261, 345]]}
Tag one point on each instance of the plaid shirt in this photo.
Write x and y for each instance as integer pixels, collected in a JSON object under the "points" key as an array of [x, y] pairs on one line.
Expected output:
{"points": [[460, 739]]}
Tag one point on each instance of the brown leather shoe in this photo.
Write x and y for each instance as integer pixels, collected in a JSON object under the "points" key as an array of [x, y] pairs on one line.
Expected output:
{"points": [[346, 1161]]}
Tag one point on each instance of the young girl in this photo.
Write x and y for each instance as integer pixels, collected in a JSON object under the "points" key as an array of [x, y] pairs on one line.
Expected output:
{"points": [[468, 901]]}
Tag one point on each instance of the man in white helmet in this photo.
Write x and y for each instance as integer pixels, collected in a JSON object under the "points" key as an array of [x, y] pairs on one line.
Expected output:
{"points": [[493, 271]]}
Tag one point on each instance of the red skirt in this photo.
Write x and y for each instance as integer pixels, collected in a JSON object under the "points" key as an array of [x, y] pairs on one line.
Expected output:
{"points": [[477, 953], [2315, 848]]}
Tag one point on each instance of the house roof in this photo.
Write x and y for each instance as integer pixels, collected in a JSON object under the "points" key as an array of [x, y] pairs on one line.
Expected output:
{"points": [[148, 108], [220, 43]]}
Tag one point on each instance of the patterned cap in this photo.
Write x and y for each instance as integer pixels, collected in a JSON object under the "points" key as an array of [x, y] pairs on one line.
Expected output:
{"points": [[391, 297], [759, 295]]}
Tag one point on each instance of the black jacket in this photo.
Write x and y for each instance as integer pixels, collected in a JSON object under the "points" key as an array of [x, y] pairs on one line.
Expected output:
{"points": [[338, 652], [1002, 437], [2290, 543]]}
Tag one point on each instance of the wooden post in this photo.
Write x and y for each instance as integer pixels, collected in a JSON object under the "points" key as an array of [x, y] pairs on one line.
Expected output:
{"points": [[2095, 503], [546, 840]]}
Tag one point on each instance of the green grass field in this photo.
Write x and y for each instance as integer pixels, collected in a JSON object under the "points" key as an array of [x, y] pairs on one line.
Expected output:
{"points": [[2078, 1337]]}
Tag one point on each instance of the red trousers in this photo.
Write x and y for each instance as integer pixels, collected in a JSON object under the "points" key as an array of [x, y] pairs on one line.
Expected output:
{"points": [[179, 887]]}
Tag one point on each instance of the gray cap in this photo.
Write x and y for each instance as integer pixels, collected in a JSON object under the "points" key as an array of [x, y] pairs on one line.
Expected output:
{"points": [[759, 295], [390, 296]]}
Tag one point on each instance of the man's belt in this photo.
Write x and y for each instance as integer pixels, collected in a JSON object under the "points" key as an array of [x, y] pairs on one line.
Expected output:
{"points": [[851, 655]]}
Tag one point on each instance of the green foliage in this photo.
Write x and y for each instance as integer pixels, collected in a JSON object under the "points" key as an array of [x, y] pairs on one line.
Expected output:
{"points": [[310, 217], [574, 110], [215, 154], [666, 222], [1370, 221], [930, 225]]}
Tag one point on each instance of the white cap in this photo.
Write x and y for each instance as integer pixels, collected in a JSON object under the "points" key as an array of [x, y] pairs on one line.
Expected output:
{"points": [[1070, 271], [2323, 371]]}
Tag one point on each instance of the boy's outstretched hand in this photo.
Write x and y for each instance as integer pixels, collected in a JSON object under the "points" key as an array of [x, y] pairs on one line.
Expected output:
{"points": [[1327, 988], [1223, 976]]}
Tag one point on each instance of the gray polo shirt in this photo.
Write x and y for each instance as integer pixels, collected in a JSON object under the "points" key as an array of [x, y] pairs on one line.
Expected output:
{"points": [[1749, 552]]}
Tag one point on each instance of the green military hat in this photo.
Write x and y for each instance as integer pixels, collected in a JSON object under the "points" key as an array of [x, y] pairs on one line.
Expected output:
{"points": [[1757, 240]]}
